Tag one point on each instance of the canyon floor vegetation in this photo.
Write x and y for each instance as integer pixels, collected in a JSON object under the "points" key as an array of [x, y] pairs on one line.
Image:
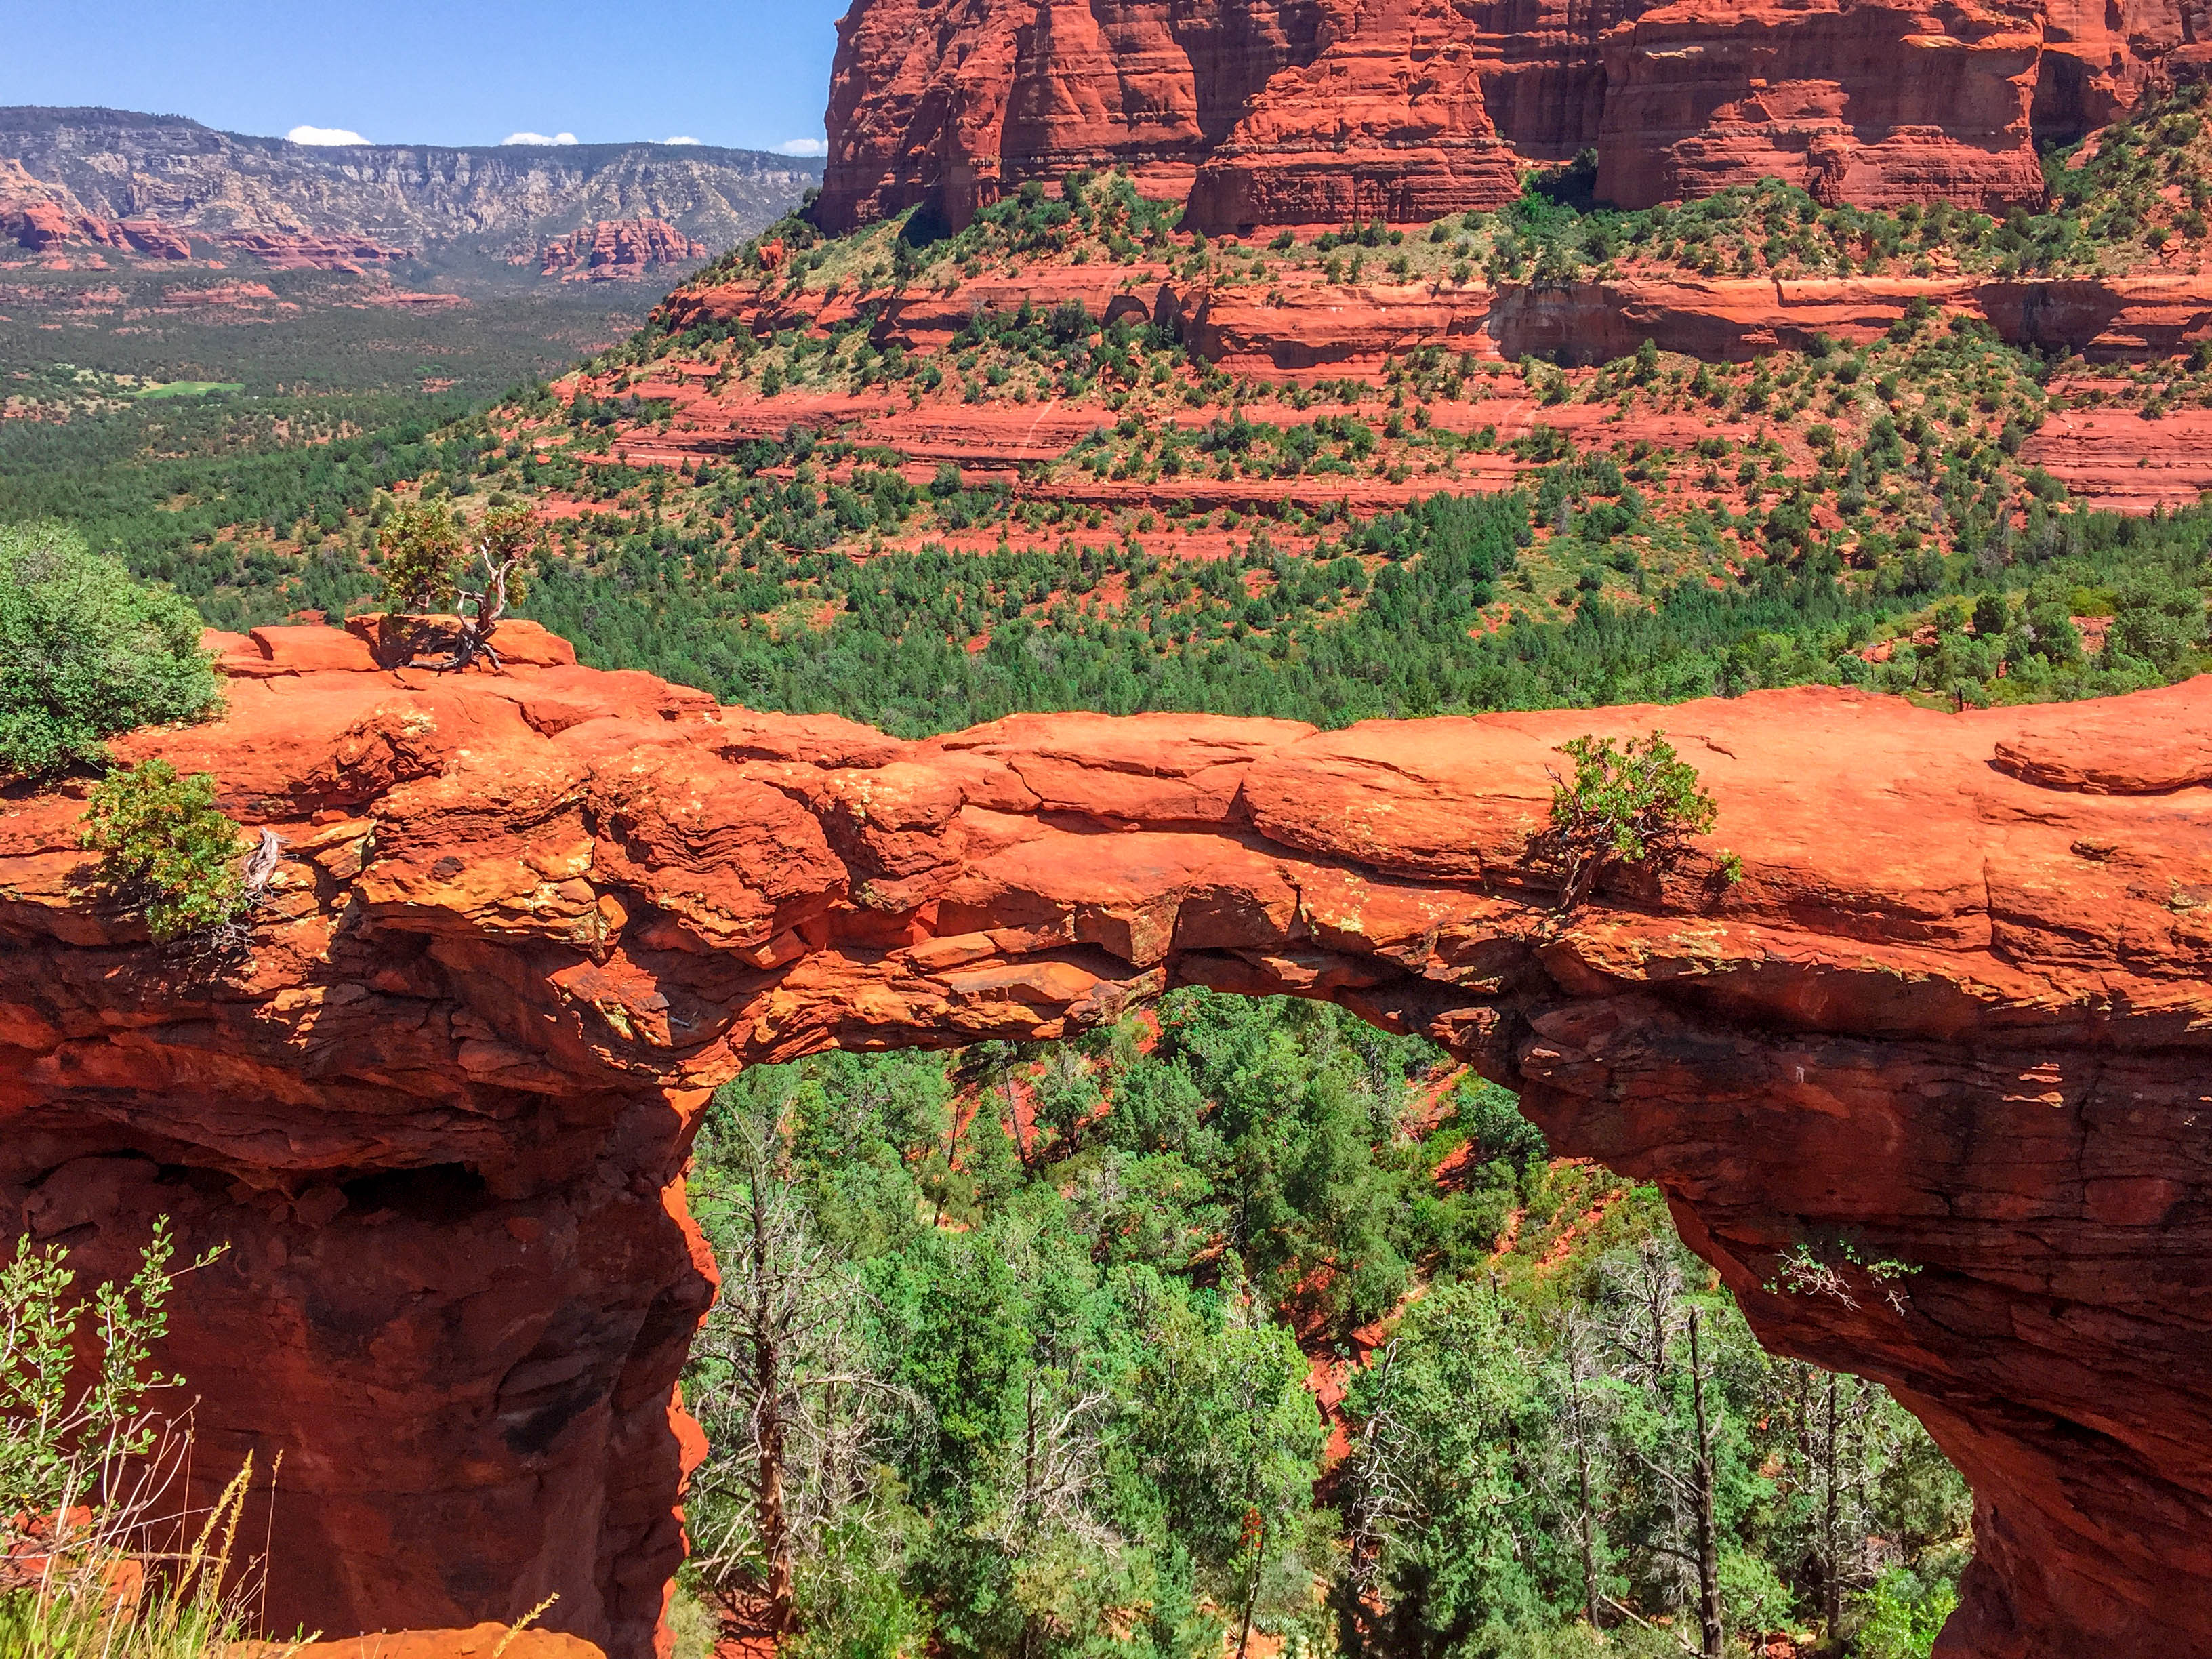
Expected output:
{"points": [[1018, 1353]]}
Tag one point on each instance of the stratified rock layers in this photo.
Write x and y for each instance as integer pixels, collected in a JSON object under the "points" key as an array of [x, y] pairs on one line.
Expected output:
{"points": [[1955, 1014], [1876, 105], [1310, 111], [617, 250]]}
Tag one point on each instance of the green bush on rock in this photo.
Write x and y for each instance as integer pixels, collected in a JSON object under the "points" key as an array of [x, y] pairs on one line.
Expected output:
{"points": [[86, 651], [1628, 803], [171, 854]]}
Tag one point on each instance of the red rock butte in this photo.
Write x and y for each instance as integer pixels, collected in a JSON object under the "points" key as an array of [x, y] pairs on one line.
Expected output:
{"points": [[1955, 1014], [616, 250], [1319, 111]]}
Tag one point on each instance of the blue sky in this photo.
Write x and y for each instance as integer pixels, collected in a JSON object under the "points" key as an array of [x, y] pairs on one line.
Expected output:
{"points": [[750, 73]]}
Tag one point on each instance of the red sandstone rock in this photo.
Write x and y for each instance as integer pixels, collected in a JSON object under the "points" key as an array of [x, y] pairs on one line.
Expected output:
{"points": [[1957, 1010], [218, 294], [1301, 328], [1388, 122], [1857, 101], [306, 650], [617, 250], [47, 217], [413, 300], [1300, 113], [156, 240], [393, 642], [480, 1642], [950, 104], [2120, 459], [282, 251], [1295, 326], [43, 225]]}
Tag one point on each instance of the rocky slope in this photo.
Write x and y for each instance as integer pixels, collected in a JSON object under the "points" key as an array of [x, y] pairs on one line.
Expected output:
{"points": [[1297, 331], [1953, 1018], [1287, 112], [166, 187]]}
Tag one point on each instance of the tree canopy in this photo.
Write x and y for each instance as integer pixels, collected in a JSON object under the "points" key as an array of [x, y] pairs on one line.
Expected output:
{"points": [[86, 651]]}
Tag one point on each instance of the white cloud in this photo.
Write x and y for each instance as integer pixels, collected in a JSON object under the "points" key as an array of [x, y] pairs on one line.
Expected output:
{"points": [[539, 139], [679, 140], [324, 135], [803, 147]]}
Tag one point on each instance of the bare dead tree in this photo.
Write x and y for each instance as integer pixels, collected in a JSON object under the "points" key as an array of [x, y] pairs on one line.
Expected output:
{"points": [[1839, 1439], [1053, 1464], [796, 1393], [1580, 1432], [1646, 1286], [474, 640], [1377, 1498], [222, 942], [1701, 1476]]}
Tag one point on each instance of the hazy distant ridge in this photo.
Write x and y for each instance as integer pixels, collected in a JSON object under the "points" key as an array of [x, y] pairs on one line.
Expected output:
{"points": [[492, 200]]}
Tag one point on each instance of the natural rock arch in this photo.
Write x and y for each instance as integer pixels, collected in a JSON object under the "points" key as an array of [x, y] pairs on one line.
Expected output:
{"points": [[1956, 1011]]}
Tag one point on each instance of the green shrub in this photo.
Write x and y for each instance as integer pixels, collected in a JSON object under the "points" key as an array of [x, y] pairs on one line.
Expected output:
{"points": [[59, 1443], [1628, 803], [1903, 1615], [86, 652], [88, 1464], [171, 852], [422, 547]]}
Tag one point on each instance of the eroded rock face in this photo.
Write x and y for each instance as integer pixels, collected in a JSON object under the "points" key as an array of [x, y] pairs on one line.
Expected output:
{"points": [[617, 250], [161, 186], [280, 251], [1317, 112], [1872, 104], [1297, 326], [1956, 1012], [45, 218], [1387, 121]]}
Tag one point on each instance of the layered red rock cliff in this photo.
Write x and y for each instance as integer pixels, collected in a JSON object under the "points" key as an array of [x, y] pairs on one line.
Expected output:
{"points": [[617, 250], [45, 216], [1955, 1012], [39, 216], [1304, 112], [1297, 326], [300, 251]]}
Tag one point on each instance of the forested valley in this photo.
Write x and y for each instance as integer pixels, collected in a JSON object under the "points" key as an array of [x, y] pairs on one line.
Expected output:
{"points": [[1242, 1327]]}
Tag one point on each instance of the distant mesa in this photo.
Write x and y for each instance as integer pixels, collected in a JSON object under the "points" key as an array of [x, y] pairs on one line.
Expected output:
{"points": [[616, 250], [281, 251], [220, 293], [407, 300], [79, 188]]}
